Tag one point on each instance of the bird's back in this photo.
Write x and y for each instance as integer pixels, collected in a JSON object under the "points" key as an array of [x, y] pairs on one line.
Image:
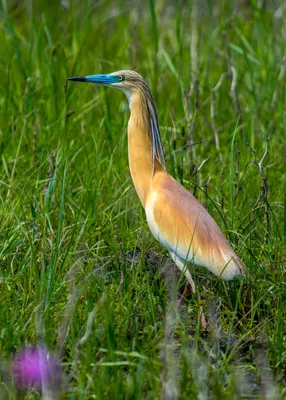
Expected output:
{"points": [[181, 224]]}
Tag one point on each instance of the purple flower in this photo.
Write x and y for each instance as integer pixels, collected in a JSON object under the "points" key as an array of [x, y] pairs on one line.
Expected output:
{"points": [[36, 367]]}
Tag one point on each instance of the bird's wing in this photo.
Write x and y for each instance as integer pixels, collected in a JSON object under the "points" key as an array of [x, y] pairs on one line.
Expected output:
{"points": [[183, 225]]}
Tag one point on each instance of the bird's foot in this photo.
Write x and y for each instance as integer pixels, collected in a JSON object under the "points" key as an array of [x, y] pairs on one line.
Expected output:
{"points": [[203, 318], [188, 292]]}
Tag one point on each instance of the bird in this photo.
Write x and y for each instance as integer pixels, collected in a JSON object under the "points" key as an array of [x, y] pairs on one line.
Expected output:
{"points": [[175, 217]]}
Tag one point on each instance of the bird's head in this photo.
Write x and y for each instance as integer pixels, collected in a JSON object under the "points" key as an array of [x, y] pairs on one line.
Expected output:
{"points": [[125, 80], [130, 82]]}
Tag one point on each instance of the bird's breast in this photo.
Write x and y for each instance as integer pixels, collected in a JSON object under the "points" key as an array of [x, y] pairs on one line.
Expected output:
{"points": [[153, 225]]}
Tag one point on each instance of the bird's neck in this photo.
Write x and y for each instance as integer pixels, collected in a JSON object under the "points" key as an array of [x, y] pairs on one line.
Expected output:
{"points": [[140, 147]]}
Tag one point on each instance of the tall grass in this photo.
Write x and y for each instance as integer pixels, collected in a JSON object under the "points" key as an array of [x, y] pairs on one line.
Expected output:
{"points": [[79, 267]]}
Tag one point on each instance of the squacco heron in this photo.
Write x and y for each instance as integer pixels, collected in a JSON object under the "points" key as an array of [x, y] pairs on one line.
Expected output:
{"points": [[175, 217]]}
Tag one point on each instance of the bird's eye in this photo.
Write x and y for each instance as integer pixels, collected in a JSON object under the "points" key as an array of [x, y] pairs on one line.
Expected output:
{"points": [[120, 77]]}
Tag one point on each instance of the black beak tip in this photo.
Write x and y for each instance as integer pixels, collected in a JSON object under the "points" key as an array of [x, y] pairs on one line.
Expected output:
{"points": [[77, 78]]}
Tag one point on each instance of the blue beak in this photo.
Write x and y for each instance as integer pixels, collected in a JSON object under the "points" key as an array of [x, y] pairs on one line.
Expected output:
{"points": [[104, 79]]}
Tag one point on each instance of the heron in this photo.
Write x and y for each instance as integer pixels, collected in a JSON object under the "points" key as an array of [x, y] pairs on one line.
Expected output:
{"points": [[175, 217]]}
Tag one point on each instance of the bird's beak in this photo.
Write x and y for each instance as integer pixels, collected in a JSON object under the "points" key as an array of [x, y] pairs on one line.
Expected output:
{"points": [[104, 79]]}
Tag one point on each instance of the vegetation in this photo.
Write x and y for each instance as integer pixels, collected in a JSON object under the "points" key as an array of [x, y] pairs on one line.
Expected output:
{"points": [[80, 270]]}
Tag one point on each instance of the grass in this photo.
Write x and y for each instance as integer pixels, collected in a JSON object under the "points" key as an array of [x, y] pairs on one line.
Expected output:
{"points": [[80, 270]]}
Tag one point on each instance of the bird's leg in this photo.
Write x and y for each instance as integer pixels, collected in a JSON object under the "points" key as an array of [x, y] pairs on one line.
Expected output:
{"points": [[186, 293], [190, 286]]}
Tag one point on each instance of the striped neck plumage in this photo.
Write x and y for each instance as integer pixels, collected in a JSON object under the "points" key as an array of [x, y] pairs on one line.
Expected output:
{"points": [[150, 117]]}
